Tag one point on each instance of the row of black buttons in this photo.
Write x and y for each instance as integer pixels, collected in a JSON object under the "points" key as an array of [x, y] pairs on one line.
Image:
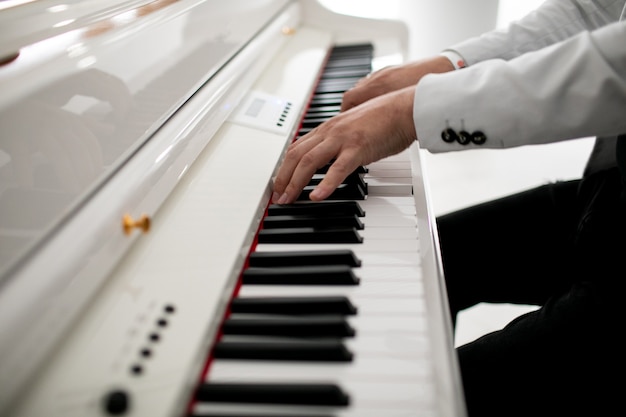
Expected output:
{"points": [[153, 337], [463, 137]]}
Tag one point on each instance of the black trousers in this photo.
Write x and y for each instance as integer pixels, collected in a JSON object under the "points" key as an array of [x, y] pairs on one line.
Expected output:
{"points": [[562, 247]]}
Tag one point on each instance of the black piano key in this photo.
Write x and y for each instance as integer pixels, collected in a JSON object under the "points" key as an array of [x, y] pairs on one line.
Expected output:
{"points": [[307, 327], [324, 169], [300, 275], [333, 305], [352, 179], [324, 110], [350, 62], [342, 192], [321, 208], [284, 350], [346, 71], [327, 99], [274, 222], [303, 132], [310, 235], [336, 84], [210, 414], [321, 116], [336, 87], [302, 258], [311, 122], [282, 393], [364, 47]]}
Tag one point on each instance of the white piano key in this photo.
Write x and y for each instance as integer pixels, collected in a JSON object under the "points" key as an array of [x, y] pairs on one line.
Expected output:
{"points": [[391, 201], [388, 233], [381, 210], [376, 324], [370, 256], [390, 275], [390, 171], [361, 369], [391, 343], [384, 306], [396, 221], [406, 408], [389, 186], [377, 289], [379, 246]]}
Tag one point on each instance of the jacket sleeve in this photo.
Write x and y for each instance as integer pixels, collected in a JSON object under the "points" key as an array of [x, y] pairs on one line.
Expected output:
{"points": [[552, 22], [571, 89]]}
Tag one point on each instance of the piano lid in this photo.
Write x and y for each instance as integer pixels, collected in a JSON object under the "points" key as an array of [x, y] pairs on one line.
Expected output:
{"points": [[87, 86], [25, 22]]}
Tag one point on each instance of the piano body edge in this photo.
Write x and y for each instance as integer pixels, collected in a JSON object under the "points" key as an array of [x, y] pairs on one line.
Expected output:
{"points": [[435, 290]]}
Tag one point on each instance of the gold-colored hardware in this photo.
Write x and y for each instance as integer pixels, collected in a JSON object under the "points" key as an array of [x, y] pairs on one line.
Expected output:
{"points": [[7, 59], [128, 223], [288, 30]]}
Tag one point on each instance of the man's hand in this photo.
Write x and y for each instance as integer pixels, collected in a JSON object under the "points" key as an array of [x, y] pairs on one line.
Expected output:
{"points": [[393, 78], [377, 128]]}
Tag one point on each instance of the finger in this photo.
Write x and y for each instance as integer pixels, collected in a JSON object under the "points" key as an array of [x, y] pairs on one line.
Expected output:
{"points": [[359, 94], [294, 154], [343, 166], [307, 165], [351, 98]]}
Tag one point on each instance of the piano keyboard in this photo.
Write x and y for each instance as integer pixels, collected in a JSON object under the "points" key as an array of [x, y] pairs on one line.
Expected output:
{"points": [[329, 318]]}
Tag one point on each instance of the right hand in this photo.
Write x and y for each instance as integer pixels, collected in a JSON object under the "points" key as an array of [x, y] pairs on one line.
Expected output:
{"points": [[378, 128]]}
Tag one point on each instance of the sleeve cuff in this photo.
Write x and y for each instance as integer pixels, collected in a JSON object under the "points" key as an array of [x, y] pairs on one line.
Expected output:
{"points": [[457, 60]]}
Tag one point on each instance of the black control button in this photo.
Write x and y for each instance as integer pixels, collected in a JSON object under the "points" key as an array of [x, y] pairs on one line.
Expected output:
{"points": [[116, 402]]}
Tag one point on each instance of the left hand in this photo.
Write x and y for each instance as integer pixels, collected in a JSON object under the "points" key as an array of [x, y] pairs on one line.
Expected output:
{"points": [[377, 128], [393, 78]]}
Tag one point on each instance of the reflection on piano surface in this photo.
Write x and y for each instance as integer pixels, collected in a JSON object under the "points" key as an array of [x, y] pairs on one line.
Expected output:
{"points": [[178, 112]]}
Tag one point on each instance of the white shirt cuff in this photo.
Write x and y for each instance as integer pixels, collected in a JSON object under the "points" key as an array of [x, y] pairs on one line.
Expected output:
{"points": [[457, 60]]}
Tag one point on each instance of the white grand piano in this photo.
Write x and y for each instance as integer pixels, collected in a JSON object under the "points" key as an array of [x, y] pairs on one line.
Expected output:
{"points": [[138, 140]]}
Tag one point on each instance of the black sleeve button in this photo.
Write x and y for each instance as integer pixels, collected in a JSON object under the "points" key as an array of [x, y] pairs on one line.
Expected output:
{"points": [[449, 135], [116, 402], [479, 137], [464, 137]]}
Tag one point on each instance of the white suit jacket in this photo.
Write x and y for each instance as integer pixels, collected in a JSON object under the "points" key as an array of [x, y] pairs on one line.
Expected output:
{"points": [[557, 74]]}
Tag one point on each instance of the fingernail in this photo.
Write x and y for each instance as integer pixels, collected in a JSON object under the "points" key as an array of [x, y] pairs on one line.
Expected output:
{"points": [[317, 193], [283, 199]]}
